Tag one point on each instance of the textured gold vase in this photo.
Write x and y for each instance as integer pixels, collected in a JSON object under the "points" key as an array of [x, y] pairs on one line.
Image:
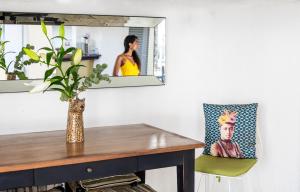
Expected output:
{"points": [[75, 149], [75, 126]]}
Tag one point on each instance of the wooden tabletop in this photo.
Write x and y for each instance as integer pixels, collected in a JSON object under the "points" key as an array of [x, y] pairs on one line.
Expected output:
{"points": [[46, 149]]}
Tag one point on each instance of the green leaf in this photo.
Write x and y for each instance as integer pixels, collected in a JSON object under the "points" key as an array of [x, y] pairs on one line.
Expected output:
{"points": [[96, 80], [31, 54], [73, 67], [58, 89], [21, 75], [58, 37], [0, 32], [60, 56], [92, 75], [61, 30], [4, 68], [44, 28], [45, 48], [64, 97], [62, 50], [99, 68], [8, 53], [9, 65], [49, 57], [30, 61], [75, 74], [2, 62], [69, 50], [103, 66], [4, 42], [57, 80], [105, 77], [29, 46], [74, 86], [48, 73]]}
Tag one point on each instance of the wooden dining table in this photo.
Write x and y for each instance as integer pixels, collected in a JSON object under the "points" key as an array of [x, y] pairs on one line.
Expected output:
{"points": [[43, 158]]}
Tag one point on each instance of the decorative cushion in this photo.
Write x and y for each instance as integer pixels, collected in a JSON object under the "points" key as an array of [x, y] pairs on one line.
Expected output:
{"points": [[230, 130]]}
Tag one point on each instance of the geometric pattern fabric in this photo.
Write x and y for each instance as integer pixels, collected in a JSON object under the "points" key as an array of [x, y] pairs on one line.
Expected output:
{"points": [[245, 126]]}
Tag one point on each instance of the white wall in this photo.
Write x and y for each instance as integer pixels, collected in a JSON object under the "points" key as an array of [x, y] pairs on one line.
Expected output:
{"points": [[34, 36], [235, 51], [11, 34]]}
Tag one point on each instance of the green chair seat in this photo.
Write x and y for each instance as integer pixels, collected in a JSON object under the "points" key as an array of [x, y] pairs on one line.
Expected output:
{"points": [[223, 166]]}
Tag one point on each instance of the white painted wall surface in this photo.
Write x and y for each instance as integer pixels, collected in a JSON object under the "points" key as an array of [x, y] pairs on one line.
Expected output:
{"points": [[232, 51], [11, 34]]}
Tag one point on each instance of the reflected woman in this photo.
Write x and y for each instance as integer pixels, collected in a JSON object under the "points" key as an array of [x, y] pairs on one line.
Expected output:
{"points": [[128, 62]]}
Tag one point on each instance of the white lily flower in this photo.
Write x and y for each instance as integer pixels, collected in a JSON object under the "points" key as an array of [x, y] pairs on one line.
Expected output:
{"points": [[41, 87]]}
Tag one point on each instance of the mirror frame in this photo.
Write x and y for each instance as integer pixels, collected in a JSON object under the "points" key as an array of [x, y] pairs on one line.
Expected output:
{"points": [[17, 86]]}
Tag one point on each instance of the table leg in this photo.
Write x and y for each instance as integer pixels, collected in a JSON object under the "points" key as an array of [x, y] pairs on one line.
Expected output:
{"points": [[179, 178], [142, 175], [185, 172]]}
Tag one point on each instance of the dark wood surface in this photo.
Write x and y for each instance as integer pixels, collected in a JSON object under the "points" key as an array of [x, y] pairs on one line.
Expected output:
{"points": [[47, 149]]}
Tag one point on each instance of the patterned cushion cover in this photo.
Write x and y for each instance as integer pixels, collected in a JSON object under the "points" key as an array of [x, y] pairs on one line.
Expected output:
{"points": [[230, 130]]}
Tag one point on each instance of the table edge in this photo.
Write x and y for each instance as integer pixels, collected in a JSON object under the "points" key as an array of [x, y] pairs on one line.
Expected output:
{"points": [[101, 157], [93, 158]]}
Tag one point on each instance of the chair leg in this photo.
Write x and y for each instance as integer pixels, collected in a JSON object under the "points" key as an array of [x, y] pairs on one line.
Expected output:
{"points": [[206, 183], [245, 182], [201, 175], [229, 185]]}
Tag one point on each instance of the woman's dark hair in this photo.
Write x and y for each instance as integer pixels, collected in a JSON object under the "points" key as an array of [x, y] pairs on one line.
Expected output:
{"points": [[131, 39]]}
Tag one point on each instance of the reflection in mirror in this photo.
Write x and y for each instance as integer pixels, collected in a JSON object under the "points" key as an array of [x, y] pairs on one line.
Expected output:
{"points": [[103, 39]]}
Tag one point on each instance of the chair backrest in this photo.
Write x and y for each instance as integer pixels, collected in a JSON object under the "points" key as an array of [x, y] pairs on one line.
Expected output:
{"points": [[259, 144]]}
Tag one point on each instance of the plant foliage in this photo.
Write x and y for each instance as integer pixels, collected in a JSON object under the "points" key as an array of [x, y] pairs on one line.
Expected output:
{"points": [[68, 82], [19, 62]]}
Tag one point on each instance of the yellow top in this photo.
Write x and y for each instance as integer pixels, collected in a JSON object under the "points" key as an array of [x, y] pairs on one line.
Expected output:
{"points": [[129, 68]]}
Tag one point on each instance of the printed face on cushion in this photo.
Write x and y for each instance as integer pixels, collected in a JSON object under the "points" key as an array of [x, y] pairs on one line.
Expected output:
{"points": [[226, 131], [230, 130], [225, 147], [227, 121]]}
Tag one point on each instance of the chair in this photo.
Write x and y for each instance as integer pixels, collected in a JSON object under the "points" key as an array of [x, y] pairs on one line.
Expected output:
{"points": [[230, 168]]}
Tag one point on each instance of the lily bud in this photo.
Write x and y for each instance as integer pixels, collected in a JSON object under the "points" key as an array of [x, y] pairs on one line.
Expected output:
{"points": [[77, 56]]}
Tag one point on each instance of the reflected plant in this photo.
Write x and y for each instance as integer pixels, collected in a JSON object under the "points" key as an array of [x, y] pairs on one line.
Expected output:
{"points": [[67, 82], [19, 62], [3, 64]]}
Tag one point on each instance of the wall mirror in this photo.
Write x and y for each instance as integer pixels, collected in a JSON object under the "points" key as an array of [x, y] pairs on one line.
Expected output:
{"points": [[100, 37]]}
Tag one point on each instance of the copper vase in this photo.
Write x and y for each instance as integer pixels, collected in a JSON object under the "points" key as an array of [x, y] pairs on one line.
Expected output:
{"points": [[10, 76], [75, 126]]}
